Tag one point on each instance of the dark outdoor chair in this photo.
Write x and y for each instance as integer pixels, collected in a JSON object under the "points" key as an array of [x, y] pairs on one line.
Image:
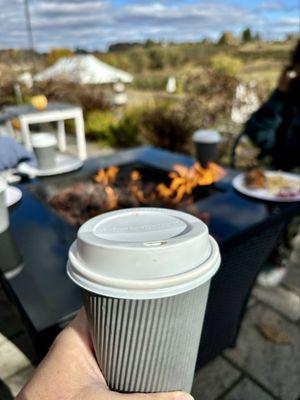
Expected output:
{"points": [[262, 154], [236, 142], [231, 288]]}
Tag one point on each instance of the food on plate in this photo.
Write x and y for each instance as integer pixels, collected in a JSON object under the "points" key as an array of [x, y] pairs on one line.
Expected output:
{"points": [[255, 179], [274, 184], [279, 182], [288, 193]]}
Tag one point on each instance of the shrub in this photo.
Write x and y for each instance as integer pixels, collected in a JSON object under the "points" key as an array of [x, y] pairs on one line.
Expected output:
{"points": [[55, 54], [125, 133], [176, 57], [138, 60], [226, 39], [157, 56], [168, 127], [104, 126], [150, 82], [89, 97], [226, 64], [7, 95], [209, 82], [8, 79], [209, 100], [98, 124], [118, 60]]}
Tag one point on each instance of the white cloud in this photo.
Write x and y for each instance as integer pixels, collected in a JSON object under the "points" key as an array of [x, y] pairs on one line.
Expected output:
{"points": [[270, 6], [97, 23], [67, 7]]}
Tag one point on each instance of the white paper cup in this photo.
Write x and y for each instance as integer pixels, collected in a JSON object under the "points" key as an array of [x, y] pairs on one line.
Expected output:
{"points": [[4, 218], [145, 275], [206, 146], [44, 147]]}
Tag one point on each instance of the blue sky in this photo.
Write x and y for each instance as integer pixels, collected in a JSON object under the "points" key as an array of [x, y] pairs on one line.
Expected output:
{"points": [[95, 24]]}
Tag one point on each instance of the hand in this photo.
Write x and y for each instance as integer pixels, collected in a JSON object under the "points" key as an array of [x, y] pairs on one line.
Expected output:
{"points": [[285, 80], [70, 372]]}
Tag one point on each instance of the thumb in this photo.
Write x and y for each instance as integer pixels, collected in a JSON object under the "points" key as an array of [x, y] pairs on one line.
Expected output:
{"points": [[151, 396]]}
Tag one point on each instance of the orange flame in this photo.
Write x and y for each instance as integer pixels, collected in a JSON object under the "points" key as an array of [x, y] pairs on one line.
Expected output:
{"points": [[183, 181], [138, 193], [108, 178], [112, 200]]}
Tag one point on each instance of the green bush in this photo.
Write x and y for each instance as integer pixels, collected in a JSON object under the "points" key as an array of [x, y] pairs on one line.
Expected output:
{"points": [[125, 133], [55, 54], [118, 60], [89, 97], [139, 60], [8, 79], [150, 82], [211, 83], [226, 64], [104, 127], [226, 39], [168, 126], [98, 124], [210, 95], [157, 57]]}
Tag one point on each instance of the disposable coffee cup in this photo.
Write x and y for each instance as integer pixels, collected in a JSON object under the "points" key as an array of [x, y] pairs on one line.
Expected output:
{"points": [[206, 146], [4, 218], [44, 147], [145, 276]]}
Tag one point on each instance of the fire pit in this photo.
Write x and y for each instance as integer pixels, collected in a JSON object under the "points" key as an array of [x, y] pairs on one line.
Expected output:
{"points": [[45, 224], [129, 186]]}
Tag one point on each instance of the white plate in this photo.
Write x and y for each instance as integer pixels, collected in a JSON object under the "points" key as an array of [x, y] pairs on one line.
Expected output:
{"points": [[263, 194], [12, 195], [64, 163]]}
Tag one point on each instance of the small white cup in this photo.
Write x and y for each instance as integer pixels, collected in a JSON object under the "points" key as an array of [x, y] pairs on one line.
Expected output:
{"points": [[44, 146]]}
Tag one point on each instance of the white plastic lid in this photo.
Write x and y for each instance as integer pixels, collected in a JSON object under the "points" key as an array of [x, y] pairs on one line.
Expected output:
{"points": [[208, 136], [143, 253], [43, 140]]}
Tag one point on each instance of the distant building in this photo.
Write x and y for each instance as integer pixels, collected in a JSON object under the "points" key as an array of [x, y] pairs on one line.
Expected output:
{"points": [[84, 69]]}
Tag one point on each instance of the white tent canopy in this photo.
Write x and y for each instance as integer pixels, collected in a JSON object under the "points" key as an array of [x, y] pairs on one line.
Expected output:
{"points": [[84, 69]]}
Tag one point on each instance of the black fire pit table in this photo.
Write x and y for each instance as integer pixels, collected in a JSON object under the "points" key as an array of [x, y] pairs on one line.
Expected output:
{"points": [[247, 230]]}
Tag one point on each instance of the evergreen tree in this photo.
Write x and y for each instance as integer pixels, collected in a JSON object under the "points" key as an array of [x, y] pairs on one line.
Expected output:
{"points": [[246, 35]]}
